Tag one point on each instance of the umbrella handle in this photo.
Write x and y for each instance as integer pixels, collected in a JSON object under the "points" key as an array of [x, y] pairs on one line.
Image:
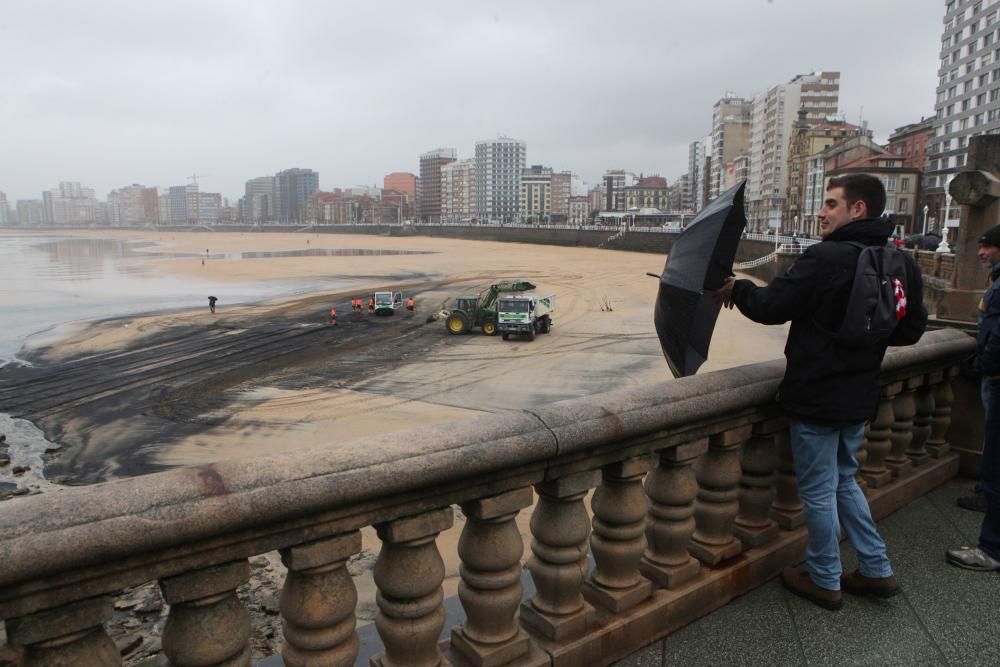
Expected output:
{"points": [[655, 275]]}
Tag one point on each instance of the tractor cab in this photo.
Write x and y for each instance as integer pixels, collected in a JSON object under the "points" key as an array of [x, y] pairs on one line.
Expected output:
{"points": [[469, 304]]}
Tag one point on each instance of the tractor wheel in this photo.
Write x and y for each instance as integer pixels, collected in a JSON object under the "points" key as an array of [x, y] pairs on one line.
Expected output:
{"points": [[544, 326], [457, 324], [531, 333], [490, 328]]}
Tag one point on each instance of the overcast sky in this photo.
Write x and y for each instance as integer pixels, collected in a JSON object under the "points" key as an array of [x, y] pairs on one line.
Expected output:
{"points": [[114, 93]]}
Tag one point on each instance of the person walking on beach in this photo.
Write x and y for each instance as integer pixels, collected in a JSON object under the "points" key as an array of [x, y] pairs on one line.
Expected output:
{"points": [[986, 556], [830, 388], [409, 304], [371, 305], [333, 316], [211, 303]]}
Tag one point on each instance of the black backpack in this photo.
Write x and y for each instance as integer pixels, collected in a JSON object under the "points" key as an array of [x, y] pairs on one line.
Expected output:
{"points": [[878, 296]]}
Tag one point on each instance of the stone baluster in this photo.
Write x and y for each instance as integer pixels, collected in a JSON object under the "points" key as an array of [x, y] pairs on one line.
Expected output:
{"points": [[618, 539], [69, 635], [878, 445], [715, 509], [672, 488], [787, 510], [490, 549], [753, 526], [903, 409], [318, 601], [944, 396], [207, 624], [923, 404], [558, 562], [408, 574]]}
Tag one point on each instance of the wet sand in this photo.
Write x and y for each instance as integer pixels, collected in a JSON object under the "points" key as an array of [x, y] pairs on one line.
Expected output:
{"points": [[424, 377]]}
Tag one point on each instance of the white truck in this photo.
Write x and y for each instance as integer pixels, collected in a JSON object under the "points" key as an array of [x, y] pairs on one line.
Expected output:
{"points": [[525, 315], [386, 303]]}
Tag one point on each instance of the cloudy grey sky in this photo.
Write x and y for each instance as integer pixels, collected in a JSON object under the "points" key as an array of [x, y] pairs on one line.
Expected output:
{"points": [[113, 93]]}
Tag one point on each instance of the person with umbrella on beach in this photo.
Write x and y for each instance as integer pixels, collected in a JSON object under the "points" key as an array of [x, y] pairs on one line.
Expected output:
{"points": [[211, 303], [830, 387]]}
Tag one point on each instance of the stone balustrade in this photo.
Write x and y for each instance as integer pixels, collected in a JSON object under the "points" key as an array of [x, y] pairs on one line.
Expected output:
{"points": [[694, 502]]}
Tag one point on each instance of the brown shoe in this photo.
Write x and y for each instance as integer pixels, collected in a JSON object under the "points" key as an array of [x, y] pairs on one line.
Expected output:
{"points": [[799, 582], [880, 587]]}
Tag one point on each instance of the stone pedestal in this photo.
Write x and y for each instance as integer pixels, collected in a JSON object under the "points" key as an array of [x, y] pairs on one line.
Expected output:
{"points": [[718, 473]]}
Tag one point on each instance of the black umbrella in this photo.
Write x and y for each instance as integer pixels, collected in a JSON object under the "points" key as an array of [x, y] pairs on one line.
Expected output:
{"points": [[699, 262]]}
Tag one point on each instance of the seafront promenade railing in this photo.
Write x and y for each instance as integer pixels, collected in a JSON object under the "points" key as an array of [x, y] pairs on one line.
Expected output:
{"points": [[694, 503]]}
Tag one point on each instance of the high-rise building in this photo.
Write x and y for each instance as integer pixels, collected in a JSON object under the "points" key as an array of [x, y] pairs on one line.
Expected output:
{"points": [[699, 163], [430, 182], [458, 191], [294, 187], [499, 163], [5, 216], [774, 113], [536, 194], [562, 190], [127, 206], [730, 138], [71, 204], [178, 204], [968, 95], [260, 199]]}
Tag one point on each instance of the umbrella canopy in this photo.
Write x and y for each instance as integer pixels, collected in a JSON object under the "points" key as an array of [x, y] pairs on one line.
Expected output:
{"points": [[699, 263]]}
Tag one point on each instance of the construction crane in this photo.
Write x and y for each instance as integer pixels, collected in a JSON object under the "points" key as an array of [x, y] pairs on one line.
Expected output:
{"points": [[194, 178]]}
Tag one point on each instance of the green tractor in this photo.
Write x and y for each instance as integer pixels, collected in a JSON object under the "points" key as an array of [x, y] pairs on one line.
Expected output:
{"points": [[480, 311]]}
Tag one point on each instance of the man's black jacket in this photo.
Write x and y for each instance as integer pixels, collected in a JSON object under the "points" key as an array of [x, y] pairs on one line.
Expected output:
{"points": [[826, 381]]}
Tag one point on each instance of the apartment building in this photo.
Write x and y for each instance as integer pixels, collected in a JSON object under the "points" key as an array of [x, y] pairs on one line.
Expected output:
{"points": [[773, 114], [967, 97], [499, 165], [731, 117], [536, 194], [431, 162], [458, 191], [293, 188]]}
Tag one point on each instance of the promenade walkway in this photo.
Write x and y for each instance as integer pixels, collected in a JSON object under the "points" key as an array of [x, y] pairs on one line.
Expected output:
{"points": [[945, 615]]}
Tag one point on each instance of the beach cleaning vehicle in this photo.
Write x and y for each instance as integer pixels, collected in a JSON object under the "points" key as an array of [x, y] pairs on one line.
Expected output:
{"points": [[525, 315], [386, 303], [471, 312]]}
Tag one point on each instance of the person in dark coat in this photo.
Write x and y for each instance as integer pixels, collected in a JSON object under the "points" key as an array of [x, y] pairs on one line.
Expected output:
{"points": [[830, 388], [986, 556], [211, 303]]}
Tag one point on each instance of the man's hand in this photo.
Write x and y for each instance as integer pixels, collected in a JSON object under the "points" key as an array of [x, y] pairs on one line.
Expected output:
{"points": [[724, 295]]}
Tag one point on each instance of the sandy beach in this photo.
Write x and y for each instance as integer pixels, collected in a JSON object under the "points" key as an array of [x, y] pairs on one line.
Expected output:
{"points": [[193, 403], [426, 375]]}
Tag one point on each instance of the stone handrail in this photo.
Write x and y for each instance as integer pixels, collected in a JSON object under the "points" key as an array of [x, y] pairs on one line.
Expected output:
{"points": [[688, 474]]}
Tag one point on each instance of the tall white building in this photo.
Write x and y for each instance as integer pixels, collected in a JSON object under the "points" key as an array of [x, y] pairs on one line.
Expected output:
{"points": [[126, 206], [499, 164], [968, 94], [774, 113], [698, 163], [4, 210]]}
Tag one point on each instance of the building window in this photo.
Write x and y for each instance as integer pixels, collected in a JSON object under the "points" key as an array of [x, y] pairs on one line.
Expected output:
{"points": [[904, 185], [890, 184]]}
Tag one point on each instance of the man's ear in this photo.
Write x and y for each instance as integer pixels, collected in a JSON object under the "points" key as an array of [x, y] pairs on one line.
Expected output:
{"points": [[859, 210]]}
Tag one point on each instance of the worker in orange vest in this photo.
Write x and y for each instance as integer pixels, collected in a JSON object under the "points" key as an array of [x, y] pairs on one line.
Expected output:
{"points": [[333, 316], [354, 305], [371, 305], [409, 303]]}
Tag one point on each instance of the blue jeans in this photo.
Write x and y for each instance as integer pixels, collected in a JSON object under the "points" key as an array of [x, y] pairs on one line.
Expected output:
{"points": [[989, 534], [825, 467]]}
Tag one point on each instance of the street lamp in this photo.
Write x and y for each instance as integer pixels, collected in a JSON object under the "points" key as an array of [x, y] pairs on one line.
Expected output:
{"points": [[926, 208]]}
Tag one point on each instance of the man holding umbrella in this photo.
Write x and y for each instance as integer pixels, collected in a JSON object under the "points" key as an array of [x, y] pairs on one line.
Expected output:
{"points": [[830, 388]]}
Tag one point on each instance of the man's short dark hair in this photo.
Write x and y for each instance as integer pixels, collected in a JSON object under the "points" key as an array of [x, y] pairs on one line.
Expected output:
{"points": [[864, 188]]}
